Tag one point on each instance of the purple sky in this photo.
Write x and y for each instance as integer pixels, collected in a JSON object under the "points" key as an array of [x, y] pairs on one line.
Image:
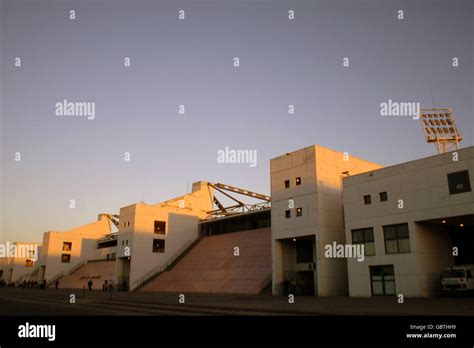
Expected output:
{"points": [[190, 62]]}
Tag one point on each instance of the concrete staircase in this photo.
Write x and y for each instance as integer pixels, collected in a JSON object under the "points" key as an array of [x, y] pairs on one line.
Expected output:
{"points": [[211, 266], [97, 271]]}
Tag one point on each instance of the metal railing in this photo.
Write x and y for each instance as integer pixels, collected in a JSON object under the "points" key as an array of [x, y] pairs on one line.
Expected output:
{"points": [[162, 267]]}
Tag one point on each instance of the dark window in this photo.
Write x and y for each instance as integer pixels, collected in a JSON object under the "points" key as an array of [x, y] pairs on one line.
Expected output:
{"points": [[158, 245], [288, 214], [383, 196], [304, 250], [67, 246], [107, 244], [246, 222], [160, 227], [397, 239], [299, 211], [459, 182], [287, 183], [29, 263], [365, 236], [65, 258], [382, 280], [128, 223], [298, 181], [367, 199]]}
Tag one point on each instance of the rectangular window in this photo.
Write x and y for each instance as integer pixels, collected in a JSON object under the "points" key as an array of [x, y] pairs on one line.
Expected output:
{"points": [[298, 181], [158, 245], [288, 214], [397, 239], [383, 196], [365, 236], [287, 183], [299, 211], [160, 227], [67, 246], [367, 199], [382, 280], [459, 182], [65, 258], [29, 263]]}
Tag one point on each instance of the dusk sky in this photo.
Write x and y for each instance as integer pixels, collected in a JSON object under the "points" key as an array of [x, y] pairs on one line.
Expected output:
{"points": [[190, 62]]}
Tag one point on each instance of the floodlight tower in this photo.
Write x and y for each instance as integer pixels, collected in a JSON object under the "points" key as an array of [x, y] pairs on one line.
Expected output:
{"points": [[440, 128]]}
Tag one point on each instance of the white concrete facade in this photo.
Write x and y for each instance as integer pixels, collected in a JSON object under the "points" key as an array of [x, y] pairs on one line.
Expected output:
{"points": [[318, 193], [62, 251], [136, 252], [15, 267], [418, 194]]}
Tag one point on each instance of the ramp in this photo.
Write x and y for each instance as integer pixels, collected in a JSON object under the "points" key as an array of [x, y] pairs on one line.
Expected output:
{"points": [[212, 267], [97, 271]]}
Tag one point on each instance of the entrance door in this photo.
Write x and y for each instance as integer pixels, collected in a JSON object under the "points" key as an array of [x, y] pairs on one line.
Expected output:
{"points": [[123, 268], [382, 279], [305, 283]]}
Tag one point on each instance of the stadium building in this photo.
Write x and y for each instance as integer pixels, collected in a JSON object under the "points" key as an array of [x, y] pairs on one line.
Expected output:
{"points": [[411, 218]]}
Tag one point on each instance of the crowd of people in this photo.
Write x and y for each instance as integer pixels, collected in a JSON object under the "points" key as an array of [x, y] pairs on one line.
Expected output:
{"points": [[33, 284], [26, 284]]}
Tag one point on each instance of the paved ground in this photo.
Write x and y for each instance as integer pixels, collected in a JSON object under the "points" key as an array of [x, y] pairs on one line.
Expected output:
{"points": [[52, 302]]}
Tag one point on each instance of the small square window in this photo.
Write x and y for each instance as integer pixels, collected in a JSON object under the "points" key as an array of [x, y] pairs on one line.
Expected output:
{"points": [[67, 246], [459, 182], [65, 258], [287, 183], [367, 199], [299, 211], [158, 245], [383, 196], [29, 263], [288, 214], [298, 181], [160, 227]]}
